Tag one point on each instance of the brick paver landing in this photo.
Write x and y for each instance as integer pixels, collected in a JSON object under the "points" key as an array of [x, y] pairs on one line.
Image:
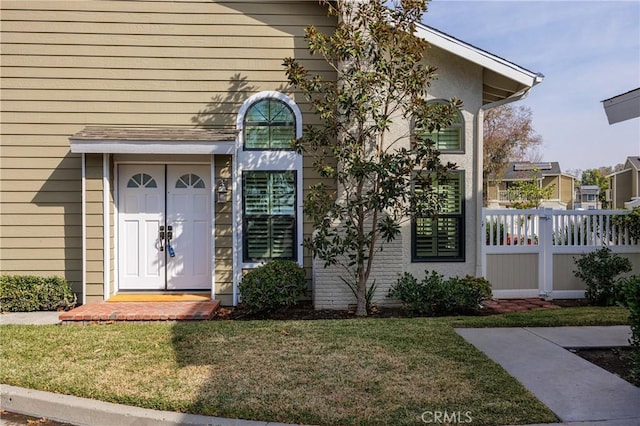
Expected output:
{"points": [[503, 306], [103, 312]]}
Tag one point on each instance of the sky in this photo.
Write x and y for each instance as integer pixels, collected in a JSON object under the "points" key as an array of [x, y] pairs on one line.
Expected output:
{"points": [[587, 50]]}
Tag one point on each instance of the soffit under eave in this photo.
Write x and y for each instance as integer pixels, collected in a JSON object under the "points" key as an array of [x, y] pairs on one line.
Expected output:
{"points": [[496, 87]]}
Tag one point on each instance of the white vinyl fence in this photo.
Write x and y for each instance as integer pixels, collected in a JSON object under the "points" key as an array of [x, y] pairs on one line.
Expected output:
{"points": [[530, 253]]}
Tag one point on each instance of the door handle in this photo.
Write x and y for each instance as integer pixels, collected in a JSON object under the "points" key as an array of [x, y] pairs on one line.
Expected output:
{"points": [[161, 237], [172, 252]]}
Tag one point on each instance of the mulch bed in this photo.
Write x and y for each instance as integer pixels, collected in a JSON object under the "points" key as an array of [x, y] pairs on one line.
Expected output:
{"points": [[305, 311], [615, 360]]}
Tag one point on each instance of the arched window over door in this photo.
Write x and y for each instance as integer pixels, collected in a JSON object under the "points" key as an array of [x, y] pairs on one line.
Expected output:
{"points": [[269, 124]]}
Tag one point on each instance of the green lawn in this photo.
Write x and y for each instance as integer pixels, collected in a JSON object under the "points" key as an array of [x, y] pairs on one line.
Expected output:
{"points": [[361, 371]]}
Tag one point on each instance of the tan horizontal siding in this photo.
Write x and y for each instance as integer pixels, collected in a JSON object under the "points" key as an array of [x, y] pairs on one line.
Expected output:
{"points": [[146, 63], [41, 219], [27, 231], [151, 18], [39, 163], [94, 222], [69, 64], [223, 255], [60, 267], [263, 48], [195, 34], [100, 96], [182, 7], [172, 76], [32, 151], [32, 209], [59, 185], [239, 82], [38, 241], [9, 174]]}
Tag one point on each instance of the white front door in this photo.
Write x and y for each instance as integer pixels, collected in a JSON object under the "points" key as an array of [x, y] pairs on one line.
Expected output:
{"points": [[164, 223]]}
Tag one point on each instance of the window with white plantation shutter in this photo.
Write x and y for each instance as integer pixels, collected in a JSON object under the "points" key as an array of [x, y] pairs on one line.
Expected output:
{"points": [[448, 139], [269, 215], [442, 238], [269, 124]]}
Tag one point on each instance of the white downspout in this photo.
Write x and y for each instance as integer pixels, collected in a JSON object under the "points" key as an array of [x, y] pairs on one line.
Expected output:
{"points": [[479, 153]]}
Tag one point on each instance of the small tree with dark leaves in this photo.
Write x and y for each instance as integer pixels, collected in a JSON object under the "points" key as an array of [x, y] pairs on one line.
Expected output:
{"points": [[380, 76]]}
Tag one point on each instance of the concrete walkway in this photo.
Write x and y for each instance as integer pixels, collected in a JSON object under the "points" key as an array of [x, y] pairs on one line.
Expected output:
{"points": [[577, 391], [30, 318]]}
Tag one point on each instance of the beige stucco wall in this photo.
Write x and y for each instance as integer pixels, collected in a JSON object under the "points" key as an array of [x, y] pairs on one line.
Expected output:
{"points": [[457, 78], [71, 64]]}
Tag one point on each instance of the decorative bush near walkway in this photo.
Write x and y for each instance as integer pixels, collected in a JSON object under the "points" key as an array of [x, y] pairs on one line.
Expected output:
{"points": [[26, 293], [435, 295], [273, 286]]}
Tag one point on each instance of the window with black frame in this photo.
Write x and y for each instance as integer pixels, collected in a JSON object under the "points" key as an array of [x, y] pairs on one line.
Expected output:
{"points": [[441, 238], [269, 215]]}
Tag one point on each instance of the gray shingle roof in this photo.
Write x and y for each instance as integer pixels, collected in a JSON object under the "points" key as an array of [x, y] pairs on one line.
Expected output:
{"points": [[635, 161], [157, 134]]}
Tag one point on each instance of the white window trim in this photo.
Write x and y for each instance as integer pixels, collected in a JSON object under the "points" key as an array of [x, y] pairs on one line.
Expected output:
{"points": [[255, 160]]}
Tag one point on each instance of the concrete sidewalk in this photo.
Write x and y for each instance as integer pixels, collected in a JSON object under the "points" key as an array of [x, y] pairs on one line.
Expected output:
{"points": [[577, 391], [90, 412], [30, 318]]}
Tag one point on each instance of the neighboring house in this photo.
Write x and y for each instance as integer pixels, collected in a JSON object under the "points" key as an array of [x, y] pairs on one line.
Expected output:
{"points": [[501, 194], [624, 192], [145, 146], [587, 197]]}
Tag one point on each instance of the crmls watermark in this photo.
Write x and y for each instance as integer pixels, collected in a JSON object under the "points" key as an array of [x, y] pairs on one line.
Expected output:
{"points": [[447, 417]]}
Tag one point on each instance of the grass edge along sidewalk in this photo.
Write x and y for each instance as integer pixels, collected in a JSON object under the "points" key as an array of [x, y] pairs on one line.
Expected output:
{"points": [[375, 371]]}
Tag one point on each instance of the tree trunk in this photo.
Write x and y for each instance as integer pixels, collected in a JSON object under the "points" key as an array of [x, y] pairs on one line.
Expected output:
{"points": [[361, 296]]}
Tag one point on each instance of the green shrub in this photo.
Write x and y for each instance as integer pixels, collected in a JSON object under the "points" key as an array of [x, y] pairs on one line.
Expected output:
{"points": [[273, 286], [629, 222], [435, 295], [631, 299], [599, 270], [26, 293]]}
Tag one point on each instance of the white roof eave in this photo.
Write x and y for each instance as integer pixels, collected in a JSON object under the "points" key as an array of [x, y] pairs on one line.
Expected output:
{"points": [[478, 56], [152, 147]]}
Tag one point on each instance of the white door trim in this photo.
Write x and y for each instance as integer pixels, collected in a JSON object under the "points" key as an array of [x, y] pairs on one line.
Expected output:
{"points": [[106, 216], [84, 228]]}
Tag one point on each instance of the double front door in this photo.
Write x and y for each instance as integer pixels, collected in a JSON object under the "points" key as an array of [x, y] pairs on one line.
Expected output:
{"points": [[164, 227]]}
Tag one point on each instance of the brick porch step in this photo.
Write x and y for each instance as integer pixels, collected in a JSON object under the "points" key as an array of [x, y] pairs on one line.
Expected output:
{"points": [[106, 312]]}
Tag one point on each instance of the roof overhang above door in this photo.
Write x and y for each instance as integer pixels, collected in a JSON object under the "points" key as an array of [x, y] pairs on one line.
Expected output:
{"points": [[156, 140]]}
